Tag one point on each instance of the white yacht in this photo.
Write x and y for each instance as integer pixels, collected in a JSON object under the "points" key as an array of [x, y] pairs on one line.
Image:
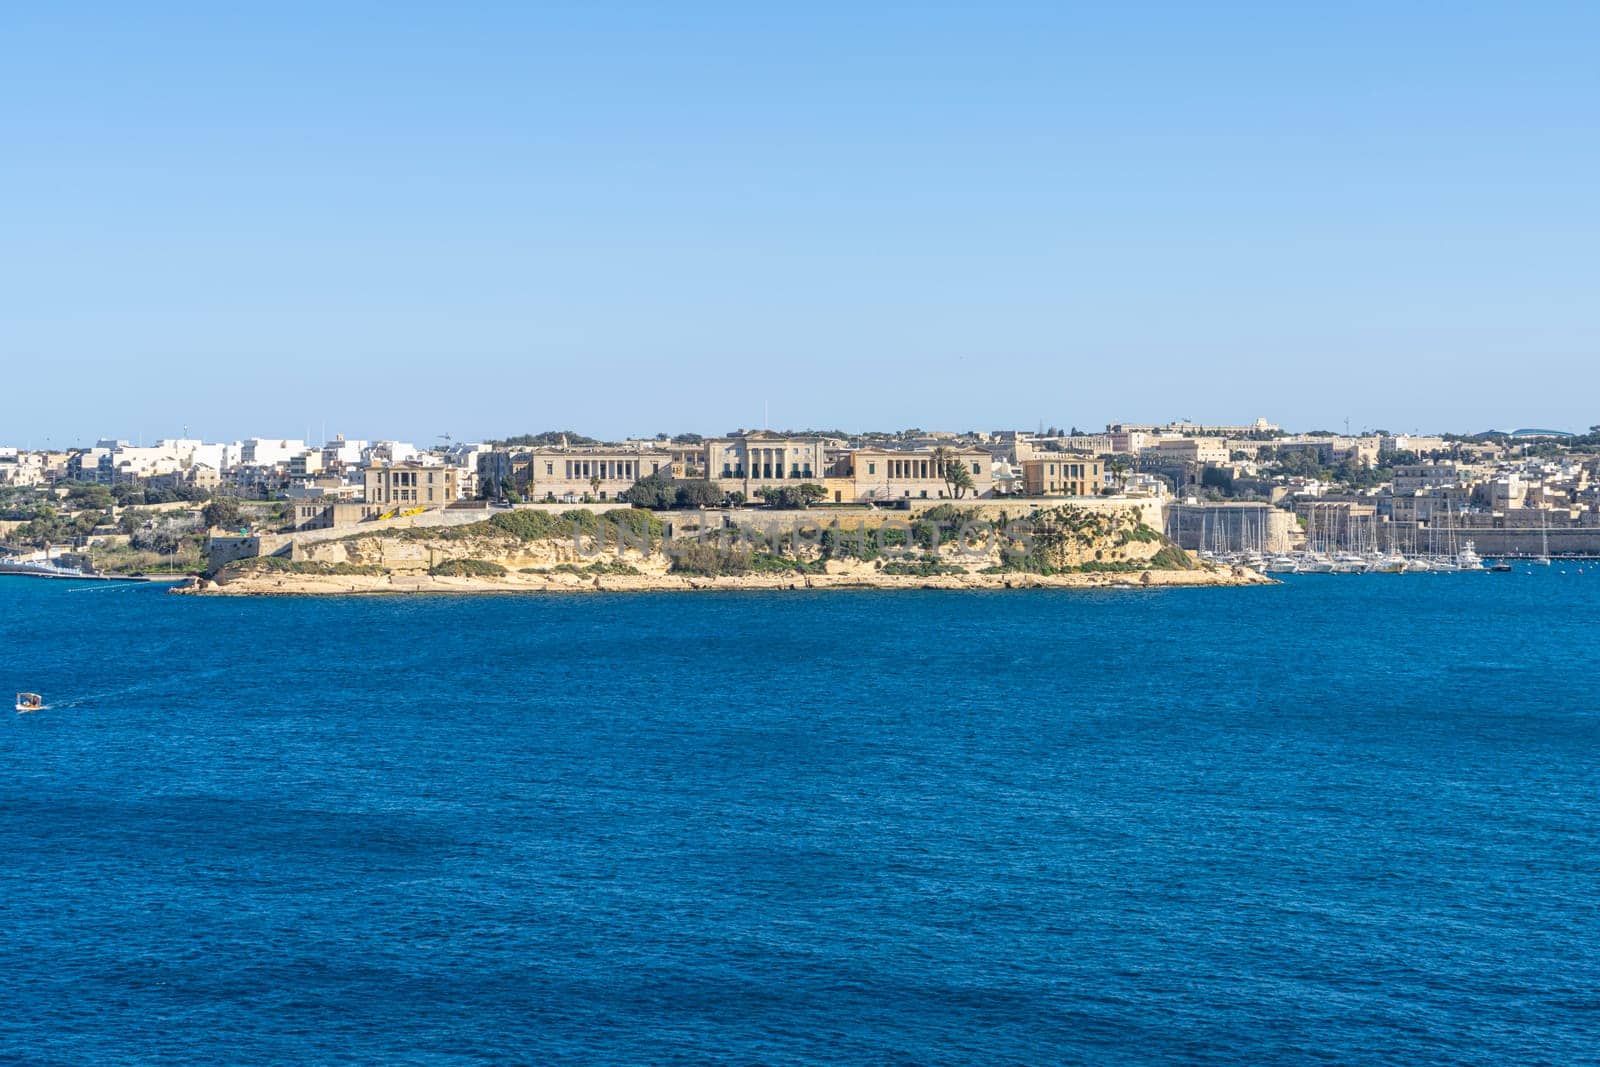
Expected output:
{"points": [[1393, 563]]}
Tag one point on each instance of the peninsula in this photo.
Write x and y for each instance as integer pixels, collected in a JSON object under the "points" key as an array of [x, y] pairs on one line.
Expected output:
{"points": [[630, 550], [1176, 503]]}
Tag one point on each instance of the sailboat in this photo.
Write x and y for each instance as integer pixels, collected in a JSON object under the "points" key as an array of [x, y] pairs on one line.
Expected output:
{"points": [[1544, 538], [1315, 558]]}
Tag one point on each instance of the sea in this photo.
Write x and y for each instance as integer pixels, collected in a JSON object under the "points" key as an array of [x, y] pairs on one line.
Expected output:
{"points": [[1342, 820]]}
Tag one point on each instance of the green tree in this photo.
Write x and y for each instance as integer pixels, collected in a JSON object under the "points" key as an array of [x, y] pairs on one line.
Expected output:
{"points": [[547, 437], [655, 491], [90, 496], [698, 493], [1119, 466], [161, 542], [791, 497], [957, 477], [222, 512]]}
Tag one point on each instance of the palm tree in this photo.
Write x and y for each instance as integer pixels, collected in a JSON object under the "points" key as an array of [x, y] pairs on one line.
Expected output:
{"points": [[958, 478], [1119, 466], [953, 469]]}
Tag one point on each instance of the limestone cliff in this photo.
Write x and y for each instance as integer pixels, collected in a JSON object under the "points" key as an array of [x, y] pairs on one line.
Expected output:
{"points": [[945, 548]]}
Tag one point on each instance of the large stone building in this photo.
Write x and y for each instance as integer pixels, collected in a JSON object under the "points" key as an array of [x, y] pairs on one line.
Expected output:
{"points": [[327, 513], [1062, 474], [1189, 450], [410, 485], [593, 473], [1409, 479], [878, 475], [1362, 451], [751, 461]]}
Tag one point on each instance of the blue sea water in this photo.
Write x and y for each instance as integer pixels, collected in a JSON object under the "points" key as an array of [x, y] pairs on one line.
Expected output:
{"points": [[1343, 820]]}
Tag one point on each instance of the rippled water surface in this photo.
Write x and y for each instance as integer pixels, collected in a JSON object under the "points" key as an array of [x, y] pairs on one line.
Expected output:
{"points": [[1341, 820]]}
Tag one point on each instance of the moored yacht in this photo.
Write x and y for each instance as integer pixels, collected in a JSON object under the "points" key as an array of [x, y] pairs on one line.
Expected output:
{"points": [[1393, 563]]}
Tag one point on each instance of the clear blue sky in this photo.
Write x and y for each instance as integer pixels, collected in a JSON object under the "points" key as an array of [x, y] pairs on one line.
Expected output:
{"points": [[483, 219]]}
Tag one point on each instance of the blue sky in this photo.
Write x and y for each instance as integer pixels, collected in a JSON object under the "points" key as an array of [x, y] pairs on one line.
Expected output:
{"points": [[411, 220]]}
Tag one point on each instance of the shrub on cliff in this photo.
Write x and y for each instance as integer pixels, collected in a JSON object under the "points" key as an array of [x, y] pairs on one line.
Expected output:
{"points": [[1172, 558], [640, 525], [927, 566], [281, 565], [710, 560], [467, 568], [530, 525]]}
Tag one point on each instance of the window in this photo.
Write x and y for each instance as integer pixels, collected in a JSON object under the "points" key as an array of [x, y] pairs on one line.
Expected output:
{"points": [[872, 468], [550, 469], [975, 469]]}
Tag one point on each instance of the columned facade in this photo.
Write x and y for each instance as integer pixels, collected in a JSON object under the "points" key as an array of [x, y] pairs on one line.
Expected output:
{"points": [[745, 464]]}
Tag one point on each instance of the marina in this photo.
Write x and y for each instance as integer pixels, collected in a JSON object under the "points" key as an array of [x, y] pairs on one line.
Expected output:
{"points": [[41, 565]]}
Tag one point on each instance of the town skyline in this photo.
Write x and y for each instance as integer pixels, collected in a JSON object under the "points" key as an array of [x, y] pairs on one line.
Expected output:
{"points": [[1255, 494], [326, 433]]}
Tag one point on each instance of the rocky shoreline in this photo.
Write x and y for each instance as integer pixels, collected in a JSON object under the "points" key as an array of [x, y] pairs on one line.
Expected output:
{"points": [[276, 584]]}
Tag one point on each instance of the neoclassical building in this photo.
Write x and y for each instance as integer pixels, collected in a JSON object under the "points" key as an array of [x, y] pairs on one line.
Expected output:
{"points": [[748, 462], [1063, 474], [603, 473], [881, 475]]}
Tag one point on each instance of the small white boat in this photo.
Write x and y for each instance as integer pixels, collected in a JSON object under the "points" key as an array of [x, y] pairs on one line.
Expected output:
{"points": [[27, 702]]}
